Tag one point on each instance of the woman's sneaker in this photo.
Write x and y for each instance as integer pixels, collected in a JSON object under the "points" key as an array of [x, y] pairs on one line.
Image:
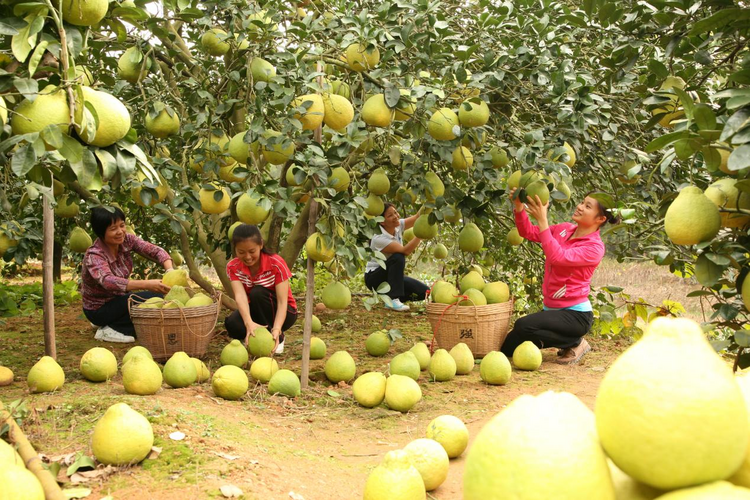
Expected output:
{"points": [[109, 334], [396, 305]]}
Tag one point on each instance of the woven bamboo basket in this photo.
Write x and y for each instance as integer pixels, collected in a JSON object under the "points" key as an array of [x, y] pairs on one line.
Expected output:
{"points": [[482, 328], [167, 331]]}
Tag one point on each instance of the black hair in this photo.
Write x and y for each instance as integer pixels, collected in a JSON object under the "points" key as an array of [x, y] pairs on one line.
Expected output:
{"points": [[605, 212], [103, 217], [386, 206], [249, 232]]}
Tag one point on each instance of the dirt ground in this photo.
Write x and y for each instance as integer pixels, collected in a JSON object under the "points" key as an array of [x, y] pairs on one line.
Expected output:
{"points": [[320, 445]]}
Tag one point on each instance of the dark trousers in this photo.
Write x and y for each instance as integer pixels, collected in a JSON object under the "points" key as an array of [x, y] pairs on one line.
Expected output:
{"points": [[561, 329], [114, 313], [262, 311], [402, 287]]}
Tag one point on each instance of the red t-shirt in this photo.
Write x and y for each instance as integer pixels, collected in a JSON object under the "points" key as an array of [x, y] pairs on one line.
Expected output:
{"points": [[272, 270]]}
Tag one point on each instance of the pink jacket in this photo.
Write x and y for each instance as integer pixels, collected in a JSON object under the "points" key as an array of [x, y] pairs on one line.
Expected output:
{"points": [[569, 264]]}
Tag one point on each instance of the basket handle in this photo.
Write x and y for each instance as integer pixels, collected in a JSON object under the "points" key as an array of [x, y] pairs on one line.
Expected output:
{"points": [[437, 325], [217, 296]]}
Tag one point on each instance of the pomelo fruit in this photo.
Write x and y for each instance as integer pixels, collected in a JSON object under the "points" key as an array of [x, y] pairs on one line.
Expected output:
{"points": [[215, 42], [138, 350], [216, 200], [277, 150], [444, 125], [375, 205], [315, 326], [67, 208], [423, 229], [422, 353], [495, 368], [405, 364], [49, 108], [362, 57], [113, 116], [6, 376], [84, 12], [378, 183], [473, 298], [179, 371], [742, 476], [141, 375], [284, 382], [513, 237], [435, 187], [402, 393], [163, 124], [339, 111], [527, 356], [314, 113], [9, 455], [463, 357], [202, 370], [336, 295], [450, 432], [725, 194], [395, 479], [177, 293], [462, 158], [500, 160], [98, 364], [444, 293], [496, 292], [79, 240], [45, 376], [440, 251], [378, 343], [430, 459], [199, 300], [339, 179], [263, 369], [18, 483], [230, 382], [250, 209], [262, 70], [122, 436], [472, 279], [719, 490], [470, 239], [442, 366], [523, 449], [473, 113], [369, 389], [234, 353], [175, 277], [340, 367], [317, 249], [669, 412], [317, 348], [260, 343], [692, 218]]}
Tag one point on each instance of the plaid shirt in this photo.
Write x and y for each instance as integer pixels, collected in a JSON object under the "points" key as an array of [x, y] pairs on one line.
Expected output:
{"points": [[105, 276]]}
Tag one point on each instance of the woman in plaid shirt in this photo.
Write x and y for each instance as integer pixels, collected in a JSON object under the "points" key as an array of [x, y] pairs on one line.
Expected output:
{"points": [[106, 268]]}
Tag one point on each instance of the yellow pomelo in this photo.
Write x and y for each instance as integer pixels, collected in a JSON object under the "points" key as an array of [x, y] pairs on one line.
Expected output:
{"points": [[369, 389], [436, 187], [137, 350], [45, 376], [241, 151], [444, 125], [260, 343], [209, 202], [406, 106], [177, 294], [362, 57], [378, 183], [202, 370], [336, 295], [473, 113], [263, 369], [377, 343], [522, 449], [3, 112], [527, 356], [440, 251], [340, 367], [742, 476], [719, 490], [450, 432], [423, 229], [214, 41], [79, 240], [470, 239], [444, 293], [285, 382], [230, 231], [250, 209], [692, 218], [627, 488], [230, 173], [513, 237], [339, 112], [163, 124], [175, 277], [405, 364], [725, 194], [162, 190], [474, 297], [114, 118], [495, 368], [49, 108], [376, 113], [230, 382], [395, 479], [9, 456], [339, 179], [141, 375], [98, 364], [463, 357], [317, 348], [67, 208], [199, 300], [262, 70], [462, 158], [122, 436], [669, 412], [571, 155], [215, 148], [19, 483], [314, 113], [84, 12], [472, 279], [408, 235], [442, 366], [275, 151], [315, 325], [430, 459], [317, 250], [234, 353], [179, 371], [422, 353], [402, 393], [129, 65], [6, 376], [496, 292], [500, 160]]}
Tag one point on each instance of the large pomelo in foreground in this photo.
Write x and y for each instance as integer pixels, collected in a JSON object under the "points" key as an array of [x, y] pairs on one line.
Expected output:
{"points": [[450, 432], [402, 393], [369, 389], [284, 382], [742, 476], [18, 483], [122, 436], [692, 217], [45, 376], [669, 412], [175, 277], [230, 382], [430, 459], [539, 447], [340, 367], [114, 117], [216, 200], [98, 364], [719, 490], [443, 125], [49, 108], [336, 295], [395, 479], [496, 292]]}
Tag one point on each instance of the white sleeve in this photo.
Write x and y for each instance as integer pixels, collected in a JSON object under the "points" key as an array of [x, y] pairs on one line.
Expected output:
{"points": [[380, 241]]}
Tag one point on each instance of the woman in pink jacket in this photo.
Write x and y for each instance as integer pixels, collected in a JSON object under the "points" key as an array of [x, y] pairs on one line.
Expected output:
{"points": [[572, 252]]}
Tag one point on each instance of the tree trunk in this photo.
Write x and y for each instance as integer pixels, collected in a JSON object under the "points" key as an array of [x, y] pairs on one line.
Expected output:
{"points": [[297, 237]]}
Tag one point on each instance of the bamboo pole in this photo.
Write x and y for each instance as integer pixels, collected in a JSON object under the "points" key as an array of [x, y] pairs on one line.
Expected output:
{"points": [[48, 278], [31, 458]]}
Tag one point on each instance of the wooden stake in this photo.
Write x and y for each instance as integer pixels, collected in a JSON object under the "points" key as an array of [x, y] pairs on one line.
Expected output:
{"points": [[48, 279], [30, 457]]}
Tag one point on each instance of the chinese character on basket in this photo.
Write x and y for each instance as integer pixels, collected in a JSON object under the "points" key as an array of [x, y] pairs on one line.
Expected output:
{"points": [[467, 334], [171, 338]]}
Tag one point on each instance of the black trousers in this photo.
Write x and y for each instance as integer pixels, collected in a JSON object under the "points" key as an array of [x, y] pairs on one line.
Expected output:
{"points": [[114, 313], [262, 311], [402, 287], [561, 329]]}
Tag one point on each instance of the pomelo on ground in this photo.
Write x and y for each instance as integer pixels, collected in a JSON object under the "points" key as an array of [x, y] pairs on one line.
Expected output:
{"points": [[463, 357], [442, 366], [369, 389], [377, 343], [138, 350], [260, 343], [402, 393], [202, 370], [234, 353], [495, 368], [122, 436], [6, 376], [527, 356], [336, 295], [45, 376], [263, 369], [19, 483], [179, 370], [430, 459], [230, 382], [98, 364], [405, 364], [450, 432], [422, 353], [317, 348], [141, 375], [395, 479], [340, 367], [284, 382]]}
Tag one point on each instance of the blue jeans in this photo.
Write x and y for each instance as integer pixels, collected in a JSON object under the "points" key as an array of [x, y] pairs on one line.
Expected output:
{"points": [[114, 313]]}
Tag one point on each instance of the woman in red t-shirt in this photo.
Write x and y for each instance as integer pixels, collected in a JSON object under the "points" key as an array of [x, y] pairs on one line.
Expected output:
{"points": [[260, 282]]}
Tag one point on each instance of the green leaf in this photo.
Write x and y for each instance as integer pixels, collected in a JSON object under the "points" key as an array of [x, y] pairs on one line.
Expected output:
{"points": [[712, 158], [685, 99], [719, 20], [333, 393], [706, 272], [73, 493], [24, 159], [22, 43], [36, 57], [742, 338], [704, 117], [10, 26], [392, 95], [108, 162], [604, 199], [666, 140], [27, 86], [72, 150], [742, 77], [737, 121], [739, 158], [53, 136], [86, 169], [81, 462]]}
